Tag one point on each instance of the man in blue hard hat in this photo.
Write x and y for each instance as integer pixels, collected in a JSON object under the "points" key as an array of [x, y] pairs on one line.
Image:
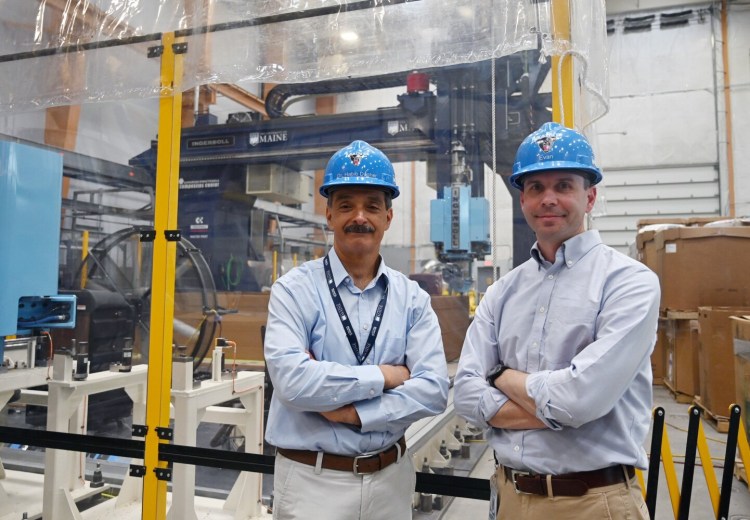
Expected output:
{"points": [[355, 355], [557, 360]]}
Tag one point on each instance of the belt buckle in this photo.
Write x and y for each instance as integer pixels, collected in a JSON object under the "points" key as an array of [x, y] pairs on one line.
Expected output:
{"points": [[513, 478], [355, 469]]}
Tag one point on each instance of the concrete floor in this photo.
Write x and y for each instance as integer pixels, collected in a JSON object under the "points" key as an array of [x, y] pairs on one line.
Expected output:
{"points": [[676, 423]]}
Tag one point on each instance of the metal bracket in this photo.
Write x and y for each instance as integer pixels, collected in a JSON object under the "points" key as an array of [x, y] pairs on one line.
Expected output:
{"points": [[147, 235], [172, 235], [155, 52], [180, 48], [163, 474], [164, 434], [137, 471], [139, 430]]}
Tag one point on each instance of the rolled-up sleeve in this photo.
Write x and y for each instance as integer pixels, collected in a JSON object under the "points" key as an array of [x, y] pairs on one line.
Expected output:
{"points": [[474, 399], [600, 373]]}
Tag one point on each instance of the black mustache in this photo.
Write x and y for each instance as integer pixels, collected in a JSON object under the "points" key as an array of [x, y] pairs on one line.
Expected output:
{"points": [[359, 228]]}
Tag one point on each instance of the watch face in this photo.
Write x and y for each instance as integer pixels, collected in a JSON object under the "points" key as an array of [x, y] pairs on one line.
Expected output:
{"points": [[495, 373]]}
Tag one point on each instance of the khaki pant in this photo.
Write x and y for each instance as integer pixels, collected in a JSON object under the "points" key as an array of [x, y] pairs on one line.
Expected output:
{"points": [[615, 502], [302, 493]]}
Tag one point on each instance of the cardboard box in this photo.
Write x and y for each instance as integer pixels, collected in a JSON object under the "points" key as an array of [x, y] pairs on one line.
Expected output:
{"points": [[453, 317], [647, 250], [742, 385], [741, 342], [682, 374], [683, 221], [659, 355], [716, 358], [243, 325], [703, 266]]}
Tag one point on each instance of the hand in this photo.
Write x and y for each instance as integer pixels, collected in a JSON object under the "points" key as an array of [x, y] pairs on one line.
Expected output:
{"points": [[394, 375], [346, 414]]}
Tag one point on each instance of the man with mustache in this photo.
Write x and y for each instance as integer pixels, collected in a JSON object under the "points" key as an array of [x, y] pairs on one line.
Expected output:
{"points": [[557, 360], [355, 355]]}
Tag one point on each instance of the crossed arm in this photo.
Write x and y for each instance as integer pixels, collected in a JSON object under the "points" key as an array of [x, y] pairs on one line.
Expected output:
{"points": [[394, 375], [519, 412]]}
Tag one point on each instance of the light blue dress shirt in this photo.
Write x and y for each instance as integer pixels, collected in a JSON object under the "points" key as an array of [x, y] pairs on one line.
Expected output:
{"points": [[583, 327], [302, 317]]}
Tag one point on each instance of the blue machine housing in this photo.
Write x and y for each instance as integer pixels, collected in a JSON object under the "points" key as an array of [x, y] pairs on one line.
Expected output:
{"points": [[459, 223], [30, 204]]}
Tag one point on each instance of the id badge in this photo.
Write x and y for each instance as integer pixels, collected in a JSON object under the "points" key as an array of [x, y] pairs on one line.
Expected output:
{"points": [[494, 503]]}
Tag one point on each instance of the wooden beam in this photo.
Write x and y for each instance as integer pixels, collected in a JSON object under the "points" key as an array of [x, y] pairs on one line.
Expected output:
{"points": [[241, 96]]}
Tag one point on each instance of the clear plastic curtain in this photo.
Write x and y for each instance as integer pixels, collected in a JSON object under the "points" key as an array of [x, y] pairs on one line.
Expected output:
{"points": [[57, 52]]}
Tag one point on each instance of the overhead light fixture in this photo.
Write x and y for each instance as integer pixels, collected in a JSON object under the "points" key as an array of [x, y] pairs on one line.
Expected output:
{"points": [[349, 36], [466, 12]]}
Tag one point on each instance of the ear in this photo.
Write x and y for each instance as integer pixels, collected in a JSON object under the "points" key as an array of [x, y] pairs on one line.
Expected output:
{"points": [[388, 217], [590, 198], [329, 215]]}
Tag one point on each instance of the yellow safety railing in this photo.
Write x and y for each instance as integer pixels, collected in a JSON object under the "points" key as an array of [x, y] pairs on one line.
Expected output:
{"points": [[661, 451]]}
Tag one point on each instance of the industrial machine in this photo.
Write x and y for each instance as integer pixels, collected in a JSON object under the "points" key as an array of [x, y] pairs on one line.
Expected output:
{"points": [[30, 202], [226, 170]]}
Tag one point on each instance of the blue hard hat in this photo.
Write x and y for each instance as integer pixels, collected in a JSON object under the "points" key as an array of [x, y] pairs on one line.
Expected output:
{"points": [[554, 147], [359, 164]]}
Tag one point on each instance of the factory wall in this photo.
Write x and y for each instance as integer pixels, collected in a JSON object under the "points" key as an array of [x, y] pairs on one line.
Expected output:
{"points": [[663, 144]]}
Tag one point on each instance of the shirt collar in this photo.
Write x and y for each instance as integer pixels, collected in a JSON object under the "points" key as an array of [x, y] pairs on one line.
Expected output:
{"points": [[572, 250], [340, 274]]}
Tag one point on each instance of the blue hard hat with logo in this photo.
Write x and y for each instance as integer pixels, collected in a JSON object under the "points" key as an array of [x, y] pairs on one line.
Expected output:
{"points": [[554, 147], [359, 164]]}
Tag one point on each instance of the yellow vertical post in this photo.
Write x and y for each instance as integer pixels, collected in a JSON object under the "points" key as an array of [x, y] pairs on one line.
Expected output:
{"points": [[708, 468], [563, 110], [744, 447], [670, 473], [84, 254], [163, 276]]}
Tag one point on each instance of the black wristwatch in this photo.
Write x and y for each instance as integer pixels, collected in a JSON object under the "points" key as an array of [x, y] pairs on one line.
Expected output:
{"points": [[496, 372]]}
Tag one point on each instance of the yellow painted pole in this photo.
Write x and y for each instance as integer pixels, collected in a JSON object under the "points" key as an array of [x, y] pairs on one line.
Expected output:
{"points": [[562, 67], [84, 255], [670, 473], [744, 447], [641, 482], [708, 468], [275, 269], [163, 276]]}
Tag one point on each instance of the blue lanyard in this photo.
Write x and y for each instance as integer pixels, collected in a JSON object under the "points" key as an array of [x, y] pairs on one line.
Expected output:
{"points": [[374, 329]]}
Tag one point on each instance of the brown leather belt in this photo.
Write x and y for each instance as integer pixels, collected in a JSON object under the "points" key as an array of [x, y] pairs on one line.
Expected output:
{"points": [[358, 465], [568, 484]]}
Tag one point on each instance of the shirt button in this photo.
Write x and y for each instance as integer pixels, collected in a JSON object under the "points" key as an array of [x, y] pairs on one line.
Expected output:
{"points": [[365, 326], [335, 399], [570, 262], [535, 344], [516, 448], [550, 276], [372, 392], [541, 309]]}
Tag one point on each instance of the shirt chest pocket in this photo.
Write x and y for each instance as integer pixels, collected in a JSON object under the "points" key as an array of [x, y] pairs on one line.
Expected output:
{"points": [[390, 348], [570, 327]]}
